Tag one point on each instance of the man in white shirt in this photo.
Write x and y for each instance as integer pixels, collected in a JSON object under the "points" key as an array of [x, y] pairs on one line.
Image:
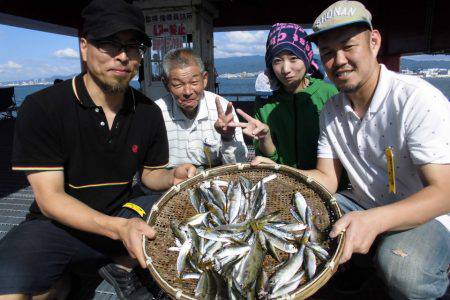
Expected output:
{"points": [[197, 120], [378, 117], [391, 133]]}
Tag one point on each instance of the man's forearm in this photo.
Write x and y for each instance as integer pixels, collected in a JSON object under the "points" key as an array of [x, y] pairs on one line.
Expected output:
{"points": [[327, 173], [69, 211], [329, 182], [158, 180], [419, 208]]}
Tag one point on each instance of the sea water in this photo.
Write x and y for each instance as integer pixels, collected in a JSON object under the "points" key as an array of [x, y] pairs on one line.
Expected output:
{"points": [[226, 86]]}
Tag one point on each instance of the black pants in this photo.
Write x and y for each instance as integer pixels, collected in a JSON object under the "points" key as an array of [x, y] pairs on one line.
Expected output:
{"points": [[36, 253]]}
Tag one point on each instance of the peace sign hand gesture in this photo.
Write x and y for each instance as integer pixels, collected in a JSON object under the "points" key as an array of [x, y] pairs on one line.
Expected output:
{"points": [[254, 128], [224, 120]]}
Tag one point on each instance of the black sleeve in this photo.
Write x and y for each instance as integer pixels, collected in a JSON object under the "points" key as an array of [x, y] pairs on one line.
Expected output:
{"points": [[157, 155], [37, 143]]}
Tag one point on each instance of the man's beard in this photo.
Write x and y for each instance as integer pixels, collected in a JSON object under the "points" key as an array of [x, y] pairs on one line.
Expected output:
{"points": [[118, 87], [350, 88], [114, 89]]}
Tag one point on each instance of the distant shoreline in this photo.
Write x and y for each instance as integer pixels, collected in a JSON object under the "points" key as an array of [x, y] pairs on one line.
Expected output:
{"points": [[228, 76], [28, 84], [253, 75], [25, 84], [233, 68]]}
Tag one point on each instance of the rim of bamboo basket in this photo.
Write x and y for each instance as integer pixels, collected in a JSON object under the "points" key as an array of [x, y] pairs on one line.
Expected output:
{"points": [[302, 292]]}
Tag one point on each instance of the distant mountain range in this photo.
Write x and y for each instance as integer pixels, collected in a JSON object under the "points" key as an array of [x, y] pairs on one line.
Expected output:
{"points": [[257, 63], [63, 77]]}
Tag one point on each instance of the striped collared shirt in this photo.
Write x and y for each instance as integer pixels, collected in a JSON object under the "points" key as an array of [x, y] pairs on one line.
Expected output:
{"points": [[190, 140]]}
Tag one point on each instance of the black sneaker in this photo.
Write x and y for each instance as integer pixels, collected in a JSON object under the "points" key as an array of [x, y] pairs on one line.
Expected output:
{"points": [[126, 284], [151, 284]]}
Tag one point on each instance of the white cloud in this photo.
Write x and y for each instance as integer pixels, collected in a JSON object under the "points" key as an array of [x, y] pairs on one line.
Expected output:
{"points": [[66, 53], [46, 70], [240, 43], [11, 65], [223, 54], [33, 69], [247, 37]]}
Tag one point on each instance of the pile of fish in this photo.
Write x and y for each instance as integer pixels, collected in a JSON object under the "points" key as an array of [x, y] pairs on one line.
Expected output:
{"points": [[224, 245]]}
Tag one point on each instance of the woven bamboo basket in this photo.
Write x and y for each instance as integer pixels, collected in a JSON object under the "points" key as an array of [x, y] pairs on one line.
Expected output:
{"points": [[175, 204]]}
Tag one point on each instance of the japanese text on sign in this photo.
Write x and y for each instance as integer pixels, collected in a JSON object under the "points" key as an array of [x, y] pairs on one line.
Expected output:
{"points": [[167, 43], [168, 29], [169, 17]]}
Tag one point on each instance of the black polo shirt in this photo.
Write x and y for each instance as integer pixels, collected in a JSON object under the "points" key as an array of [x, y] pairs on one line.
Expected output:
{"points": [[61, 129]]}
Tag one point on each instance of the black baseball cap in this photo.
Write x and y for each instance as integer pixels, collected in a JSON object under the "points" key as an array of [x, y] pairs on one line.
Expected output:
{"points": [[104, 18]]}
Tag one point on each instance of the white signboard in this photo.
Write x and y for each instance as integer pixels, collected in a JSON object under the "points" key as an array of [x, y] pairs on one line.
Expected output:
{"points": [[168, 23]]}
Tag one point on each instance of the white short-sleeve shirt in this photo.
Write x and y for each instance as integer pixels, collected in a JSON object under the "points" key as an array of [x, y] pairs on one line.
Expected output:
{"points": [[407, 114], [188, 138]]}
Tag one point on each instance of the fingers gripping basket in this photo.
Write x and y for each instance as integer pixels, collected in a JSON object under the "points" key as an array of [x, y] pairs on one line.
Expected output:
{"points": [[175, 204]]}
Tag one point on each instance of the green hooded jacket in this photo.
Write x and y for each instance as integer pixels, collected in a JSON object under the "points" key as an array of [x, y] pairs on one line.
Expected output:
{"points": [[293, 120]]}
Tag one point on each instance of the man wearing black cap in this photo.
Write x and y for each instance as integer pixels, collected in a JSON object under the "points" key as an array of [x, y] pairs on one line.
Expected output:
{"points": [[80, 143]]}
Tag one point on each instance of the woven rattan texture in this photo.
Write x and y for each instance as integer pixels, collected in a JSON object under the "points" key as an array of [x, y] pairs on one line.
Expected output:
{"points": [[280, 193]]}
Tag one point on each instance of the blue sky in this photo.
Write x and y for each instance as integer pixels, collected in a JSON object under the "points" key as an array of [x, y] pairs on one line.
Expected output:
{"points": [[28, 54]]}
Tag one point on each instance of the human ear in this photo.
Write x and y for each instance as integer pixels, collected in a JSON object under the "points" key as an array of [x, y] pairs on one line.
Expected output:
{"points": [[375, 41], [205, 79], [83, 49], [165, 82]]}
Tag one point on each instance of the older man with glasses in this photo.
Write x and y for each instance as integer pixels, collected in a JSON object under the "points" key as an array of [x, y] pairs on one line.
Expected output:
{"points": [[80, 143]]}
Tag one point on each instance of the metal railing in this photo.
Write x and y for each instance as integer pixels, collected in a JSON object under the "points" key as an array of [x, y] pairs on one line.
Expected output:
{"points": [[246, 96]]}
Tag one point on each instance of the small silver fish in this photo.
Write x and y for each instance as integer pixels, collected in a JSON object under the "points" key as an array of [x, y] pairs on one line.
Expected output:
{"points": [[289, 269], [311, 263], [219, 196], [235, 198], [320, 252], [195, 201], [311, 226], [195, 220], [177, 232], [232, 251], [262, 285], [279, 243], [279, 232], [187, 276], [252, 265], [289, 287], [300, 205], [183, 256]]}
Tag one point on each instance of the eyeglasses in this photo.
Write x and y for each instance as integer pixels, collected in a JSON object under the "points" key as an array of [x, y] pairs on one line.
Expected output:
{"points": [[113, 48]]}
